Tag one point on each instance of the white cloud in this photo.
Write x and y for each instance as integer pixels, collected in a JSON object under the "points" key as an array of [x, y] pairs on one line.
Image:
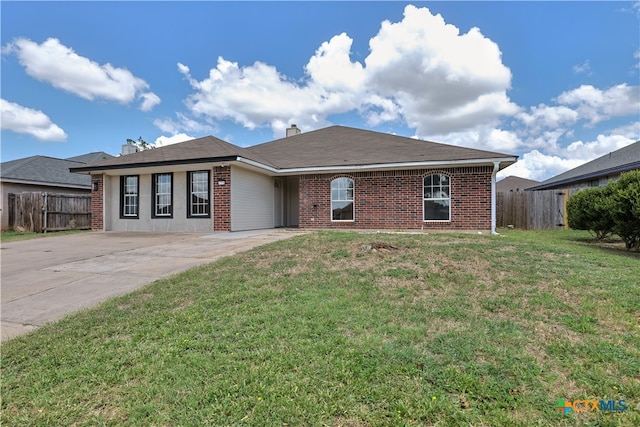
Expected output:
{"points": [[149, 100], [542, 117], [161, 141], [331, 67], [538, 166], [56, 64], [541, 166], [585, 67], [596, 105], [183, 123], [440, 79], [490, 139], [21, 119], [420, 70]]}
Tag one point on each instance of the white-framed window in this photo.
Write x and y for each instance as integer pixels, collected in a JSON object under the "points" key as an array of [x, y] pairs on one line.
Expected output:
{"points": [[129, 196], [199, 185], [342, 199], [437, 197], [162, 195]]}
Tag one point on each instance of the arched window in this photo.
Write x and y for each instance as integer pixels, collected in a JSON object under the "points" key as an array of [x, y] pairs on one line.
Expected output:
{"points": [[342, 199], [437, 197]]}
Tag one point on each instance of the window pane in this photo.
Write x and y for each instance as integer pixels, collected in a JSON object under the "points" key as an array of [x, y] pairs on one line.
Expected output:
{"points": [[437, 197], [199, 193], [342, 196], [437, 210], [130, 196], [162, 197], [342, 210]]}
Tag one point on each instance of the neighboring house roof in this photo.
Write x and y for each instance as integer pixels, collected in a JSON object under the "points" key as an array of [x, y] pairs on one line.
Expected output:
{"points": [[616, 162], [515, 183], [91, 157], [44, 171], [332, 148]]}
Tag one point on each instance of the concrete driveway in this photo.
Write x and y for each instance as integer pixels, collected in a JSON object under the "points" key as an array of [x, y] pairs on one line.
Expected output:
{"points": [[45, 279]]}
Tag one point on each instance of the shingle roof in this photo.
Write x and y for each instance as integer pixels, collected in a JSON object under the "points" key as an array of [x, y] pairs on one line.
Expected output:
{"points": [[626, 158], [45, 170], [91, 157], [199, 150], [345, 146], [335, 146], [515, 183]]}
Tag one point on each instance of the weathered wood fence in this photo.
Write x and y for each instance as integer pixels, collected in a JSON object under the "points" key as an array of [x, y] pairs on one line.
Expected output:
{"points": [[41, 212], [532, 210]]}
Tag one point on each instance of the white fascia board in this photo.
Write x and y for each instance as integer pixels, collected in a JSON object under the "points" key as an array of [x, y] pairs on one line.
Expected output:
{"points": [[379, 166]]}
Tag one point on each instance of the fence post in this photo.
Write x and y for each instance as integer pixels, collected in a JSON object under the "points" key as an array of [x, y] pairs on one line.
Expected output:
{"points": [[46, 211]]}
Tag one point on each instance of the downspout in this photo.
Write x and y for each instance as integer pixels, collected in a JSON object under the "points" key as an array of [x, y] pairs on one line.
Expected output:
{"points": [[496, 167]]}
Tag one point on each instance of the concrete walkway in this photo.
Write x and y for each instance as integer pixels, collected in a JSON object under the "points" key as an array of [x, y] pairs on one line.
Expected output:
{"points": [[45, 279]]}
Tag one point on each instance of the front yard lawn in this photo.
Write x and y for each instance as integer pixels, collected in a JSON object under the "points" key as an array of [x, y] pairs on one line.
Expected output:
{"points": [[439, 329]]}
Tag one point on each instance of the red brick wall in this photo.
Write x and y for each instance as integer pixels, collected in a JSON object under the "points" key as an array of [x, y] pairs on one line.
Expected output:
{"points": [[393, 200], [221, 199], [97, 203]]}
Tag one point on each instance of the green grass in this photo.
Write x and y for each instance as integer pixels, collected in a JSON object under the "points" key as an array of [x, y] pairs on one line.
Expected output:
{"points": [[315, 331], [12, 236]]}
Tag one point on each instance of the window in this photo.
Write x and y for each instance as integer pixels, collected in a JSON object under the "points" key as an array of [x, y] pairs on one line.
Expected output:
{"points": [[162, 195], [342, 199], [198, 184], [437, 197], [129, 191]]}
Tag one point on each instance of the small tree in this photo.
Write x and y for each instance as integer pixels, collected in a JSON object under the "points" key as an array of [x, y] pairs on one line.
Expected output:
{"points": [[625, 208], [140, 143]]}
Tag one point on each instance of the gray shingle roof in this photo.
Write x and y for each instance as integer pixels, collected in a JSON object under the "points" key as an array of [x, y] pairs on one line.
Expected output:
{"points": [[515, 183], [91, 157], [344, 146], [43, 170], [335, 146], [199, 150], [626, 158]]}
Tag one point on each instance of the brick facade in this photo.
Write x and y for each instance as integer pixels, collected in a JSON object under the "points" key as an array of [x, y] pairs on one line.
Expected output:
{"points": [[394, 200], [221, 199], [97, 202]]}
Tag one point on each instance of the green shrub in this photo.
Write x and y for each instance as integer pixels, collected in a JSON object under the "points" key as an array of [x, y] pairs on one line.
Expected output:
{"points": [[625, 208], [590, 209]]}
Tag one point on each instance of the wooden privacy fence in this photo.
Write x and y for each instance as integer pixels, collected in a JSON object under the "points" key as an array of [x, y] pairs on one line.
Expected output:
{"points": [[532, 210], [42, 212]]}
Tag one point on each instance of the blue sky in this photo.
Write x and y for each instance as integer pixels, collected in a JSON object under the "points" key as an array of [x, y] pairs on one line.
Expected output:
{"points": [[556, 83]]}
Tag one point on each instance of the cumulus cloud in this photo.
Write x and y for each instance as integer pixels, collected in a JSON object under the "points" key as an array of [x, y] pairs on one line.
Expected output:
{"points": [[421, 71], [183, 123], [441, 80], [596, 105], [21, 119], [161, 141], [56, 64], [540, 166]]}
